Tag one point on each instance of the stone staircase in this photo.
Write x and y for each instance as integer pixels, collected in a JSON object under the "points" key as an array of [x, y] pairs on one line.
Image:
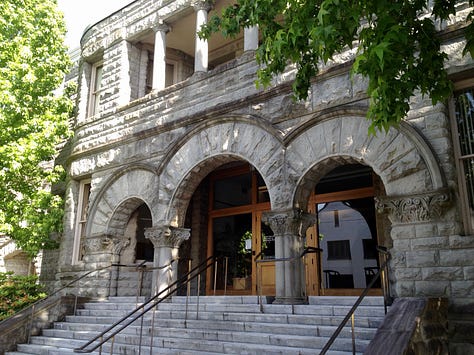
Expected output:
{"points": [[222, 325]]}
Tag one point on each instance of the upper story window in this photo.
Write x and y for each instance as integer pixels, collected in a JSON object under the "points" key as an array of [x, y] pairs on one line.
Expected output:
{"points": [[463, 137], [81, 220], [95, 88]]}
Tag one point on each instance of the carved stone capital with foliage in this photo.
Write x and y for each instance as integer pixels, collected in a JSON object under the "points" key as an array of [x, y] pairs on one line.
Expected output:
{"points": [[206, 5], [167, 236], [105, 243], [415, 208], [289, 222]]}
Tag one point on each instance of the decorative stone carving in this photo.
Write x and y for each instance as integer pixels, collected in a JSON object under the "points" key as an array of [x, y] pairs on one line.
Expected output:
{"points": [[105, 243], [161, 26], [206, 5], [97, 244], [165, 236], [119, 244], [292, 222], [415, 208]]}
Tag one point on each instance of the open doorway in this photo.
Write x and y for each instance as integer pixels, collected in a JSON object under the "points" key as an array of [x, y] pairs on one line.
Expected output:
{"points": [[346, 231]]}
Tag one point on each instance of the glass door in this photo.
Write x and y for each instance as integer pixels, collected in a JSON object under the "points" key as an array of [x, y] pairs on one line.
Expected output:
{"points": [[347, 232], [264, 251], [237, 197], [232, 244]]}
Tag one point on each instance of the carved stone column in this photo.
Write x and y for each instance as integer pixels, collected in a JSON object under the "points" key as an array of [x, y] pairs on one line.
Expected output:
{"points": [[159, 56], [166, 241], [250, 38], [289, 228], [201, 55]]}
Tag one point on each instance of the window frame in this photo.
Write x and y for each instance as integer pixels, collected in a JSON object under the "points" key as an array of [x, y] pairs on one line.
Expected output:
{"points": [[339, 249], [81, 220], [95, 88], [458, 157]]}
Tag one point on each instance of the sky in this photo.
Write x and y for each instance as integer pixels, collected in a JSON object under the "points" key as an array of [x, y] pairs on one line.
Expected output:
{"points": [[79, 14]]}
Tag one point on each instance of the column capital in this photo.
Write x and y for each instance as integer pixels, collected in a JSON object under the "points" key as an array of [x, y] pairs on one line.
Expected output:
{"points": [[415, 208], [289, 222], [206, 5], [161, 26], [167, 236]]}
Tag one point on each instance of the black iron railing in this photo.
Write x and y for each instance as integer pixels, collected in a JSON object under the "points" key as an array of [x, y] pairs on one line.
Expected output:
{"points": [[139, 312], [382, 273]]}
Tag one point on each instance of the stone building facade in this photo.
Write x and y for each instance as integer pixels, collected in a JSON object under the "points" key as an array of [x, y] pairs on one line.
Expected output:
{"points": [[176, 153]]}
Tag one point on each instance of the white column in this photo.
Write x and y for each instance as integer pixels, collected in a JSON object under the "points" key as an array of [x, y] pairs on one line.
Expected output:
{"points": [[166, 241], [201, 51], [250, 38], [125, 91], [289, 228], [159, 57]]}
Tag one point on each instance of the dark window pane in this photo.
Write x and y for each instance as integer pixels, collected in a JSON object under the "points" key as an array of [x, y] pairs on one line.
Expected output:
{"points": [[232, 192], [339, 250], [370, 252]]}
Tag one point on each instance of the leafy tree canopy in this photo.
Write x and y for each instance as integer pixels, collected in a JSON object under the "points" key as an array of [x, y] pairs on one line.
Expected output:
{"points": [[396, 43], [33, 119]]}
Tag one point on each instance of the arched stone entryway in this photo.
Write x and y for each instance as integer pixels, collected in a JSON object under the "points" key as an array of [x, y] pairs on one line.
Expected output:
{"points": [[215, 144], [414, 184], [401, 157], [111, 209], [290, 167], [208, 146]]}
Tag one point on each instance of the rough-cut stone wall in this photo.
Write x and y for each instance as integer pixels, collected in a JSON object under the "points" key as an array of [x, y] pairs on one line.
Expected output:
{"points": [[158, 148]]}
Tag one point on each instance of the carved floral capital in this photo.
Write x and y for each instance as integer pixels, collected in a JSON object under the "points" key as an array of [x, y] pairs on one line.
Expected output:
{"points": [[415, 208], [165, 236], [161, 26], [206, 5], [105, 243], [289, 222]]}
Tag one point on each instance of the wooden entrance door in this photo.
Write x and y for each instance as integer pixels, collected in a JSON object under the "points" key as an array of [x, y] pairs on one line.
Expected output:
{"points": [[238, 196]]}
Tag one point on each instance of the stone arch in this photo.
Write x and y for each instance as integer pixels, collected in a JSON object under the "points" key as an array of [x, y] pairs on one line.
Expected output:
{"points": [[401, 158], [214, 144], [117, 199]]}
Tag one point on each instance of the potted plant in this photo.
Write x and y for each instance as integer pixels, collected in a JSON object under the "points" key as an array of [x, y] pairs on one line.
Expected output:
{"points": [[241, 279]]}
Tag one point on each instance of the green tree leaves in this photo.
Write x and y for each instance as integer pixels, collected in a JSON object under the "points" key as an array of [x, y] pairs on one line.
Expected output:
{"points": [[398, 49], [33, 119]]}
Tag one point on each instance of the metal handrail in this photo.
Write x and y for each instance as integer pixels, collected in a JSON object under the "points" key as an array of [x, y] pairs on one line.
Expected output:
{"points": [[149, 305], [34, 305], [307, 250], [383, 269]]}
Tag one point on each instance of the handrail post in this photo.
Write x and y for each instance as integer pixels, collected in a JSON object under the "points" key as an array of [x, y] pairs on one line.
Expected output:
{"points": [[140, 282], [352, 310], [215, 276], [353, 334], [225, 274], [189, 277], [152, 332], [100, 349], [259, 269], [141, 333], [75, 305], [112, 346], [198, 292], [384, 281], [188, 292]]}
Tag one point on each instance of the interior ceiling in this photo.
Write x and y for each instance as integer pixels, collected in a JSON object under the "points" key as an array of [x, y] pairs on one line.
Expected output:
{"points": [[182, 32]]}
